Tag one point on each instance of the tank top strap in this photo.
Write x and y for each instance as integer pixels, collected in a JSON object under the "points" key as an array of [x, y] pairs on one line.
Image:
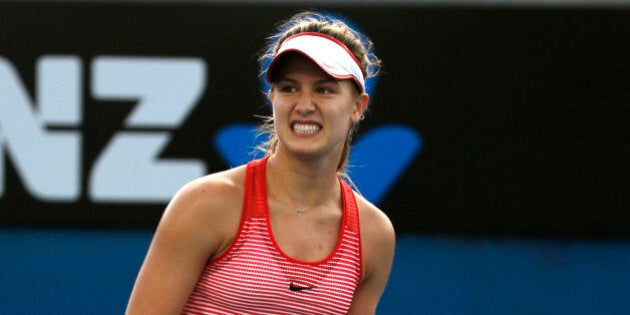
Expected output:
{"points": [[255, 202], [350, 206]]}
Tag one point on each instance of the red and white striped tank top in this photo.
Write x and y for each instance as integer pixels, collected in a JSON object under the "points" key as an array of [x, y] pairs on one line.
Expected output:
{"points": [[254, 276]]}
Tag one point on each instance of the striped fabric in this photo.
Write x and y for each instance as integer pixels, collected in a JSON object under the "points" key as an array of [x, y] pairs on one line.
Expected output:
{"points": [[255, 277]]}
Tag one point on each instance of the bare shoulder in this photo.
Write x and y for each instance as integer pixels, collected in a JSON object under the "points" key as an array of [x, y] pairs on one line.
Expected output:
{"points": [[375, 225], [217, 189], [200, 220], [208, 208], [378, 241]]}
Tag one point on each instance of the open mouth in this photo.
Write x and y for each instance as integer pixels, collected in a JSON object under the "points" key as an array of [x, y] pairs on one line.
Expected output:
{"points": [[306, 128]]}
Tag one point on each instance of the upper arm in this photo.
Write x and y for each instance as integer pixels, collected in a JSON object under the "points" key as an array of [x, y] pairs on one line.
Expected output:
{"points": [[378, 243], [189, 233]]}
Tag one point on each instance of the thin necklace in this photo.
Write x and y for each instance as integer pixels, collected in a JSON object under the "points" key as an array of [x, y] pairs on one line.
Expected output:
{"points": [[293, 205], [296, 208]]}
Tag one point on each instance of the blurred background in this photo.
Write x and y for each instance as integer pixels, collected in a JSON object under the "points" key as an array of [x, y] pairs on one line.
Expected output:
{"points": [[497, 142]]}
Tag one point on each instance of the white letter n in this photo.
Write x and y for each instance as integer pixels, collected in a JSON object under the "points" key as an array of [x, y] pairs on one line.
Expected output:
{"points": [[48, 162]]}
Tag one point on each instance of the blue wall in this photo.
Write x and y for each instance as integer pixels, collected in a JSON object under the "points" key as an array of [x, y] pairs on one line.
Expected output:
{"points": [[63, 271]]}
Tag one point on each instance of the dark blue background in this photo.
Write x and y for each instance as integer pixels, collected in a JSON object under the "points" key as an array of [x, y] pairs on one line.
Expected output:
{"points": [[63, 271]]}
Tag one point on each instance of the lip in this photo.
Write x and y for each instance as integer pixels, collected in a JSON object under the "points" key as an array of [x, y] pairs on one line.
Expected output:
{"points": [[306, 122]]}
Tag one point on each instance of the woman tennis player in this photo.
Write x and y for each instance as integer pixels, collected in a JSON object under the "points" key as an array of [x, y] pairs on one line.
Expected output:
{"points": [[284, 234]]}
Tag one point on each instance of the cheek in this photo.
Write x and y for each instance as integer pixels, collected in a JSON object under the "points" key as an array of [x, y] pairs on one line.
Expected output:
{"points": [[278, 108], [344, 119]]}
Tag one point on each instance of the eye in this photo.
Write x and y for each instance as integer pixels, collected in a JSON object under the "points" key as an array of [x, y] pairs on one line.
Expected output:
{"points": [[287, 88], [324, 90], [327, 88]]}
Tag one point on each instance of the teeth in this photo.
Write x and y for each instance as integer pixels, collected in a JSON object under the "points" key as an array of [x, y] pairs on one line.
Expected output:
{"points": [[305, 128]]}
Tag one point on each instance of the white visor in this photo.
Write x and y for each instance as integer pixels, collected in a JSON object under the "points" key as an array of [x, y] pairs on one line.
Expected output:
{"points": [[328, 53]]}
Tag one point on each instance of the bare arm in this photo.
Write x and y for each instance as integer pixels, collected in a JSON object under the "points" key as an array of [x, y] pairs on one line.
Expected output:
{"points": [[191, 231], [378, 241]]}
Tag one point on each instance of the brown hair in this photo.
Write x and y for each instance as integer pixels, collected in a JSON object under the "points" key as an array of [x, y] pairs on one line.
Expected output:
{"points": [[308, 21]]}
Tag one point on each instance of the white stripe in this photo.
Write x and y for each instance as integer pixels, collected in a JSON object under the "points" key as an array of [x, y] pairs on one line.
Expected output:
{"points": [[254, 277]]}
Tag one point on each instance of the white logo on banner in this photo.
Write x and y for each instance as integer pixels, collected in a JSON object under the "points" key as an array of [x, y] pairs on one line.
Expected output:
{"points": [[128, 169]]}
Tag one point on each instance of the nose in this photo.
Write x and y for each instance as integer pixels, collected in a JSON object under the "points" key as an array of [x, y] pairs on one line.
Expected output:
{"points": [[305, 104]]}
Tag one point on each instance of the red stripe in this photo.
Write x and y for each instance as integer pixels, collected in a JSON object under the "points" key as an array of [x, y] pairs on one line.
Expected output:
{"points": [[253, 276]]}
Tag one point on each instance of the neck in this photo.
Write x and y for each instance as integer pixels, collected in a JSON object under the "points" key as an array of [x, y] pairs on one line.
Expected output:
{"points": [[301, 184]]}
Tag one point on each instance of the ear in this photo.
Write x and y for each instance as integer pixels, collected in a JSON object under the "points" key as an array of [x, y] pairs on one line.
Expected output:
{"points": [[270, 94], [360, 105]]}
